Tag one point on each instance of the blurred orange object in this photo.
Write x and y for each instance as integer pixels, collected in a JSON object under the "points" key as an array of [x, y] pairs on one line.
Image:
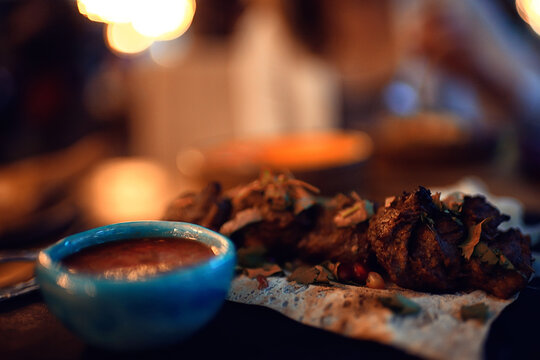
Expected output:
{"points": [[431, 137], [330, 160]]}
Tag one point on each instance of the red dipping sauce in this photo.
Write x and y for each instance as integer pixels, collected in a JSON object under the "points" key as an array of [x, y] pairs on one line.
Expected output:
{"points": [[135, 259]]}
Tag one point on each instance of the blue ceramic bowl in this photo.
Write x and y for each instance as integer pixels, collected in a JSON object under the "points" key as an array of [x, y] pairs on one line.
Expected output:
{"points": [[153, 312]]}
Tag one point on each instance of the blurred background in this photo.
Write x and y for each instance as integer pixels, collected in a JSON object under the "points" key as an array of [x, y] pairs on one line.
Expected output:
{"points": [[111, 108]]}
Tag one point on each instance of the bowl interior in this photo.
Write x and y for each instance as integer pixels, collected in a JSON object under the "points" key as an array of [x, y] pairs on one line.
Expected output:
{"points": [[51, 258]]}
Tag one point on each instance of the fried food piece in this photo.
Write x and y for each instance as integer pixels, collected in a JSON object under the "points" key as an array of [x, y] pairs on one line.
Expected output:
{"points": [[420, 241], [209, 208], [429, 245], [340, 233], [501, 281], [475, 209], [416, 243], [502, 265], [274, 211]]}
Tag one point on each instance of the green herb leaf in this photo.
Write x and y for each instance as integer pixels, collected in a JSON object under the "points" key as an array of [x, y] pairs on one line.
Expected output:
{"points": [[456, 219], [302, 204], [359, 212], [400, 305], [311, 275], [478, 311], [266, 270], [370, 209], [350, 210], [302, 200], [492, 256], [504, 262], [425, 219], [475, 232], [485, 254]]}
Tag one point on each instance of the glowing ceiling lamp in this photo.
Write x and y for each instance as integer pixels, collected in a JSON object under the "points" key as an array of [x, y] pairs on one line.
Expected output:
{"points": [[133, 25]]}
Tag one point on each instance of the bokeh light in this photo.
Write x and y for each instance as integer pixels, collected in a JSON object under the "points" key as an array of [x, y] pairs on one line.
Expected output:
{"points": [[163, 19], [125, 189], [169, 53], [107, 11], [122, 37], [529, 10], [133, 25]]}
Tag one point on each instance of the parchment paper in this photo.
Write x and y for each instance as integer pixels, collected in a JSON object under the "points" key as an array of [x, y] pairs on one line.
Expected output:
{"points": [[437, 332]]}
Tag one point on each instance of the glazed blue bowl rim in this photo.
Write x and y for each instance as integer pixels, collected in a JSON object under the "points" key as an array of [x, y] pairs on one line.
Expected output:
{"points": [[50, 259]]}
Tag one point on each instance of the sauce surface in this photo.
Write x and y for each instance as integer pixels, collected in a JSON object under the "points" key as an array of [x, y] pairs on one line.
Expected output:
{"points": [[135, 259]]}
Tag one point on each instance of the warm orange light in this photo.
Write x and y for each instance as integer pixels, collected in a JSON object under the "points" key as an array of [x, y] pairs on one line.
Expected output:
{"points": [[127, 189], [123, 38], [313, 150], [181, 26], [152, 20], [296, 152], [529, 10], [163, 19], [106, 11]]}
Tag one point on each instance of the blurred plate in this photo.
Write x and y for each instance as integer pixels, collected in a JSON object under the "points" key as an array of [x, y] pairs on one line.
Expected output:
{"points": [[19, 289], [434, 138], [17, 273], [330, 160]]}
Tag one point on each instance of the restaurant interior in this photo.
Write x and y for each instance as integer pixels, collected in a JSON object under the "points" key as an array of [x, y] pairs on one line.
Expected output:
{"points": [[109, 110]]}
